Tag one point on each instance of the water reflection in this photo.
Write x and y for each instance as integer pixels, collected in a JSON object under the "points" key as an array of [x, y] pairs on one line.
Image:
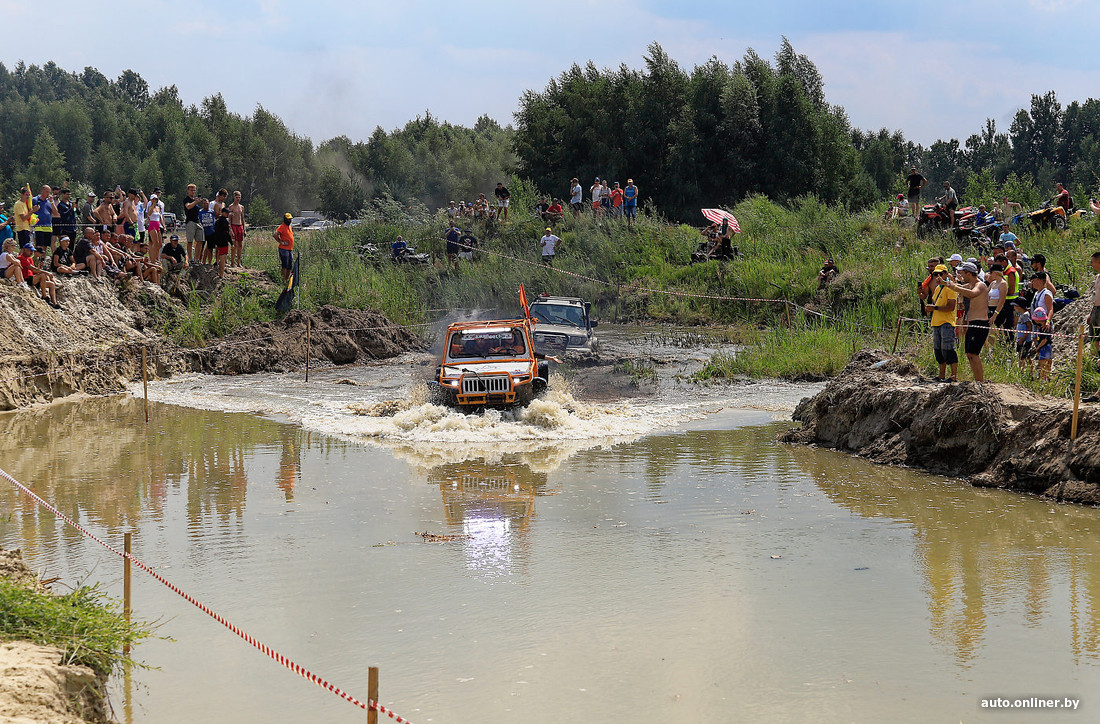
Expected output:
{"points": [[982, 553], [97, 461], [492, 501]]}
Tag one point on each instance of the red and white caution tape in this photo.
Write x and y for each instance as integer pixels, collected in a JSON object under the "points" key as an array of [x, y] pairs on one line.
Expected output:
{"points": [[262, 647]]}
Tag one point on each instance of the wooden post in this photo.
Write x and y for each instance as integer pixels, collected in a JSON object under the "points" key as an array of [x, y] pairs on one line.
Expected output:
{"points": [[145, 384], [372, 694], [1077, 383], [897, 336], [126, 586], [787, 309], [309, 328]]}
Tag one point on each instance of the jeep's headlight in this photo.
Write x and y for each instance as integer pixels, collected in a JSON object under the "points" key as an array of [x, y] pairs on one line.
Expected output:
{"points": [[521, 378], [577, 340]]}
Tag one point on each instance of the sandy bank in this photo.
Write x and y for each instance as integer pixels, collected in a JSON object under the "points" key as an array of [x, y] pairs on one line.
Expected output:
{"points": [[994, 435], [34, 685]]}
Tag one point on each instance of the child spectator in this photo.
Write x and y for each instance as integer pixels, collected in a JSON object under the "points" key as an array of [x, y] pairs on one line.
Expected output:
{"points": [[62, 262], [34, 276], [1024, 352], [1044, 349]]}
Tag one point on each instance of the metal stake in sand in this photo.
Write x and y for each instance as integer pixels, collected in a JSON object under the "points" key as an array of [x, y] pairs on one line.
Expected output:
{"points": [[897, 336], [372, 694], [126, 587], [145, 384], [1077, 384], [309, 328]]}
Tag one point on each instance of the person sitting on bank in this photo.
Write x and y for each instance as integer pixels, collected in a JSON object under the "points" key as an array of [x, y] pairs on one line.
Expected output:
{"points": [[37, 277], [62, 261], [827, 274], [173, 256]]}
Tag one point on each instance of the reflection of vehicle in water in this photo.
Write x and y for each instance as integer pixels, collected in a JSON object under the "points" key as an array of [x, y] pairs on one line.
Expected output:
{"points": [[489, 364], [563, 324], [494, 503]]}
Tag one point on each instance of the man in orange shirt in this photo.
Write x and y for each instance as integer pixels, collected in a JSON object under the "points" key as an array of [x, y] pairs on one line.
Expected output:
{"points": [[285, 236], [616, 200]]}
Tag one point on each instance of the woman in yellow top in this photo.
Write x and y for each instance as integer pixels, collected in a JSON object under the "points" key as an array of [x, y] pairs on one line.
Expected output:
{"points": [[941, 302]]}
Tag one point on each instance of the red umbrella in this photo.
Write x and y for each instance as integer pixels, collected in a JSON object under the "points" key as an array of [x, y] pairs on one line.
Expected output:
{"points": [[718, 216]]}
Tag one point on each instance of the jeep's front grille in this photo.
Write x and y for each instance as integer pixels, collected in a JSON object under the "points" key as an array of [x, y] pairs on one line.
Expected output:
{"points": [[552, 340], [473, 385]]}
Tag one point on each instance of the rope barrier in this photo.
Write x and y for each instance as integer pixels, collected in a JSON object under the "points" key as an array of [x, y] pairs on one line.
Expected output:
{"points": [[258, 645]]}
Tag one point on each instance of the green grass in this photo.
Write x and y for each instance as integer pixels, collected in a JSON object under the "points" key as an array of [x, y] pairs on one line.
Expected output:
{"points": [[784, 247], [786, 354], [86, 625], [639, 371]]}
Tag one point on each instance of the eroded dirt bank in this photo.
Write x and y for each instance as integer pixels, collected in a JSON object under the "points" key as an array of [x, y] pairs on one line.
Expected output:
{"points": [[94, 343], [999, 436], [34, 685]]}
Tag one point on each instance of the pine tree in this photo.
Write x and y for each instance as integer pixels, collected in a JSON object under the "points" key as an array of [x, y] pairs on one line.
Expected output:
{"points": [[47, 163]]}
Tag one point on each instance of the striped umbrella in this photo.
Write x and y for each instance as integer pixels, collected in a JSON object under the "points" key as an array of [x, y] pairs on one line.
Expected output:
{"points": [[718, 216]]}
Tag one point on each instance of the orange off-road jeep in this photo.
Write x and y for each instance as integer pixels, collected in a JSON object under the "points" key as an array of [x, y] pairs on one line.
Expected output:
{"points": [[489, 364]]}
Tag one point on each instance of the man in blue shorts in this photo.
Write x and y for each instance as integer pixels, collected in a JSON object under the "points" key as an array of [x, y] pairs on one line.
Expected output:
{"points": [[630, 201]]}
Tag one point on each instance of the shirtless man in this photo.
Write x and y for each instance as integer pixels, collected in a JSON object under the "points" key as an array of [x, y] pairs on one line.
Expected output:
{"points": [[236, 227], [977, 314], [130, 213], [105, 212]]}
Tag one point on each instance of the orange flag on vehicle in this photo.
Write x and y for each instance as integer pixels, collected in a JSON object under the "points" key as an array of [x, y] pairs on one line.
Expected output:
{"points": [[523, 303]]}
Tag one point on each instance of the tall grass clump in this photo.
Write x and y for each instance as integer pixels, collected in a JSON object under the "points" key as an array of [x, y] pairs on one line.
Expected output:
{"points": [[88, 627]]}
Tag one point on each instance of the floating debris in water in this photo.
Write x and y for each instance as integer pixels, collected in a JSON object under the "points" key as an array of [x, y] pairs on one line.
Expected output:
{"points": [[441, 538]]}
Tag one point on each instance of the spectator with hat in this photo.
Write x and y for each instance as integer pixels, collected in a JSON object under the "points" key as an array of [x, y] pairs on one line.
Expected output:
{"points": [[630, 201], [548, 244], [941, 302], [87, 210], [285, 236], [977, 314], [62, 261], [37, 277], [22, 214], [1044, 348], [173, 255]]}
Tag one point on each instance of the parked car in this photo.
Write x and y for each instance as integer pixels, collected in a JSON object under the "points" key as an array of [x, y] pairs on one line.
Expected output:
{"points": [[171, 223]]}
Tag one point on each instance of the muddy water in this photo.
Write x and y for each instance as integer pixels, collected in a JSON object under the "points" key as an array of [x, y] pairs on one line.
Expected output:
{"points": [[652, 559]]}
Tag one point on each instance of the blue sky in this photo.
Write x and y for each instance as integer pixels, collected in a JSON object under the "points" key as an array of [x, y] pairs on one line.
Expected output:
{"points": [[931, 69]]}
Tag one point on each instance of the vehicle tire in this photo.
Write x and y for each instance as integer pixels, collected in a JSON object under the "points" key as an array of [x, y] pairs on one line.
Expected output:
{"points": [[544, 371], [1058, 222]]}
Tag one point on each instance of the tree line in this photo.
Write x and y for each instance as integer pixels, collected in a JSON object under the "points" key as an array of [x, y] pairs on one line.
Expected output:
{"points": [[703, 137]]}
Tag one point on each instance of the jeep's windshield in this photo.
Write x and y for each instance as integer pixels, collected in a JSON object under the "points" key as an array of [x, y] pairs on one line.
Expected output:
{"points": [[558, 314], [471, 344]]}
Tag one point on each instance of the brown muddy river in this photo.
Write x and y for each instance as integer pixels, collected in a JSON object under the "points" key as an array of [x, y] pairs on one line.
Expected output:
{"points": [[651, 560]]}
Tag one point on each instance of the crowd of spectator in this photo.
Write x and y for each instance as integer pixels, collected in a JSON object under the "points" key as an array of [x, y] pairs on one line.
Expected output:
{"points": [[1005, 297], [120, 235]]}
